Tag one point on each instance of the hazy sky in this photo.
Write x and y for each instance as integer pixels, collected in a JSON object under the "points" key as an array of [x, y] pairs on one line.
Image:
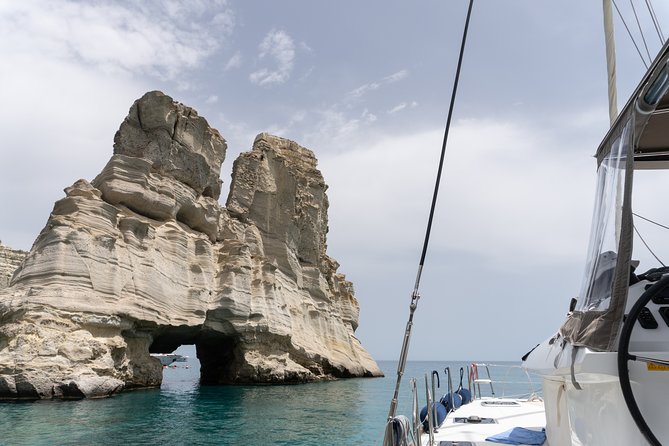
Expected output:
{"points": [[365, 85]]}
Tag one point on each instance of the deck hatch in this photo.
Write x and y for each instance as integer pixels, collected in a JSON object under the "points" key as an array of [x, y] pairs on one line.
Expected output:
{"points": [[500, 403], [474, 419]]}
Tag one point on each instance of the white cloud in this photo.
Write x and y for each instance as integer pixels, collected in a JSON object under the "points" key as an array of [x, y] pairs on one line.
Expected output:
{"points": [[279, 46], [211, 99], [298, 117], [306, 48], [130, 37], [333, 127], [75, 112], [362, 90], [234, 62], [307, 74], [397, 108], [401, 106], [503, 198], [395, 77], [76, 68], [285, 130], [367, 116], [183, 85]]}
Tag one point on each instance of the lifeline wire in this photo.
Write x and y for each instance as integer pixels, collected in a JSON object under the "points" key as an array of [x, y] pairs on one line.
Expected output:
{"points": [[415, 295]]}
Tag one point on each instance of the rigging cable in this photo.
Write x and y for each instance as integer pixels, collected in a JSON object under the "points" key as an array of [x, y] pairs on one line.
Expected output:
{"points": [[630, 34], [646, 245], [656, 22], [643, 38], [650, 221], [415, 295], [643, 241]]}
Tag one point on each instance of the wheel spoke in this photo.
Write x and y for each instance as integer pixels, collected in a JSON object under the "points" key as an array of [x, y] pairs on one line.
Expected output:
{"points": [[647, 360], [624, 356]]}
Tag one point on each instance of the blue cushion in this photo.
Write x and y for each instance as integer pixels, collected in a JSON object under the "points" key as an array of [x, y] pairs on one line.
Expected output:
{"points": [[519, 435]]}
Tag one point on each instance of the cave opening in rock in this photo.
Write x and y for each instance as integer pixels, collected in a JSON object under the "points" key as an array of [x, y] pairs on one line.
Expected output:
{"points": [[195, 358], [218, 355], [181, 368], [175, 348]]}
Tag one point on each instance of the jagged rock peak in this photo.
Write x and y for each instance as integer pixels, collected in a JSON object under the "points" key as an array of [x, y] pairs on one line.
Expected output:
{"points": [[166, 165], [176, 141], [144, 259], [278, 177]]}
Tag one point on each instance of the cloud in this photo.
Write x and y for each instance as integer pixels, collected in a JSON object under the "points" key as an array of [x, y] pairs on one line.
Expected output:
{"points": [[340, 123], [126, 37], [367, 116], [362, 90], [511, 223], [306, 48], [332, 129], [307, 74], [397, 108], [401, 106], [77, 111], [503, 198], [336, 124], [284, 130], [395, 77], [279, 46], [211, 99], [76, 67], [234, 62]]}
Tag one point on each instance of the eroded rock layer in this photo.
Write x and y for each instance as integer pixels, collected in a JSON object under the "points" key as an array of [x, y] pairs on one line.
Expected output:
{"points": [[10, 259], [144, 259]]}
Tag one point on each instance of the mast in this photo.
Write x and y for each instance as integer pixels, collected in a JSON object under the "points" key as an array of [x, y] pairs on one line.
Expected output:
{"points": [[610, 60]]}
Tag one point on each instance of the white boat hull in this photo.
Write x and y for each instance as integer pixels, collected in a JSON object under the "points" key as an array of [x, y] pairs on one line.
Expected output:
{"points": [[507, 414]]}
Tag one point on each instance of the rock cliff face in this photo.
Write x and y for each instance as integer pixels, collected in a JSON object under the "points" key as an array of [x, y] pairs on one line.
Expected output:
{"points": [[10, 259], [144, 259]]}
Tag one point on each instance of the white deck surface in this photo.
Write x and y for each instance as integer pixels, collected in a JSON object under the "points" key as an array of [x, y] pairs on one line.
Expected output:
{"points": [[527, 414]]}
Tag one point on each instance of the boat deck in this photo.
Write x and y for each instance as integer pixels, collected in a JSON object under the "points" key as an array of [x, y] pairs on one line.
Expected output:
{"points": [[497, 415]]}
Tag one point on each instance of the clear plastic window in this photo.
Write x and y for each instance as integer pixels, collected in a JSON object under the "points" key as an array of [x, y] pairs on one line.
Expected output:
{"points": [[597, 283]]}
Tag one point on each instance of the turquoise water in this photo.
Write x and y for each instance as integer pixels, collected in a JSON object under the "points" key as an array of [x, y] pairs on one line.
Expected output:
{"points": [[345, 412]]}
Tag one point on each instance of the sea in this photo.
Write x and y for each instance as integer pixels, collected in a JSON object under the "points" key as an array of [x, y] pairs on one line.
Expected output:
{"points": [[345, 412]]}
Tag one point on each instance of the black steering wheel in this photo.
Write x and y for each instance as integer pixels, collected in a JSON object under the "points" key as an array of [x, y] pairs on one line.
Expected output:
{"points": [[624, 357]]}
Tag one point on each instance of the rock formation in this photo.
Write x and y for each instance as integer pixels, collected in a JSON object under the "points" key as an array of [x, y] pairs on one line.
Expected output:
{"points": [[144, 259], [10, 259]]}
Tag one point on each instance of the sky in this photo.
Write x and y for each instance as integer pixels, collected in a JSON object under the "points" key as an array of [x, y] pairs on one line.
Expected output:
{"points": [[366, 86]]}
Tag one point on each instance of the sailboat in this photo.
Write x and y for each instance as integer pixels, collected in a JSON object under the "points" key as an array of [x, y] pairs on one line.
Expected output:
{"points": [[605, 372]]}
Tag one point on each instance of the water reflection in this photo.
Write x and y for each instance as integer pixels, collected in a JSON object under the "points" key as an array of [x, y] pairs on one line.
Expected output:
{"points": [[339, 413]]}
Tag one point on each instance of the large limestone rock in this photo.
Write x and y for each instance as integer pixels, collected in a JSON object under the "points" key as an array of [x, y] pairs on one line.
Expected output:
{"points": [[144, 259], [10, 259]]}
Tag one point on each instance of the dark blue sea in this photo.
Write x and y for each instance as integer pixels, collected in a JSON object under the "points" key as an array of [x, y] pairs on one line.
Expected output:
{"points": [[345, 412]]}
